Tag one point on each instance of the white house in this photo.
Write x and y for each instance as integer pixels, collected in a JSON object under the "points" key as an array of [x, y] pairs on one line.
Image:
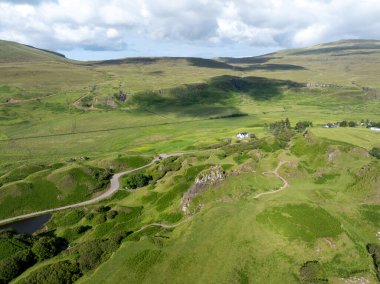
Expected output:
{"points": [[242, 135]]}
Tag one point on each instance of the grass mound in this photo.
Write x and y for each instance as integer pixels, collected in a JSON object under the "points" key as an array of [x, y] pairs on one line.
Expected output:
{"points": [[301, 222]]}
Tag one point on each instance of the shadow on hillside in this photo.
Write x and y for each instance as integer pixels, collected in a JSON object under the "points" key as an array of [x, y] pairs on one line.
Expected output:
{"points": [[218, 96], [336, 49], [275, 67], [356, 53], [248, 60], [255, 64], [132, 60], [209, 63]]}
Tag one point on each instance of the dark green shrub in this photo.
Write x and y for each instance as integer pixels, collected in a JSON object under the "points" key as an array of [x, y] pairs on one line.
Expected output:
{"points": [[100, 219], [170, 164], [90, 254], [302, 125], [72, 234], [103, 209], [374, 250], [134, 181], [64, 272], [47, 247], [312, 273], [375, 152], [93, 253], [90, 216], [343, 123], [112, 214], [13, 266]]}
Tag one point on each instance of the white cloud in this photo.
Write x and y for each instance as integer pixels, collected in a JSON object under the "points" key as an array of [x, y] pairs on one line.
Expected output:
{"points": [[108, 25]]}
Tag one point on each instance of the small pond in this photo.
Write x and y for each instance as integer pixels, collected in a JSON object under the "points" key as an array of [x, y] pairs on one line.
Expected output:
{"points": [[28, 226]]}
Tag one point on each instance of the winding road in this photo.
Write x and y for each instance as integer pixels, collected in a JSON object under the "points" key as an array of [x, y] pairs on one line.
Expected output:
{"points": [[275, 172], [115, 185], [112, 188]]}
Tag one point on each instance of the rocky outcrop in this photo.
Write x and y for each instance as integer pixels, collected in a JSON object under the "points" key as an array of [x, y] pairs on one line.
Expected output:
{"points": [[332, 154], [212, 176]]}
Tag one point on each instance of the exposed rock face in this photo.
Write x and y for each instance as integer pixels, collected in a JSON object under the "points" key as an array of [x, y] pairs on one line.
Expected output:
{"points": [[212, 176], [332, 154]]}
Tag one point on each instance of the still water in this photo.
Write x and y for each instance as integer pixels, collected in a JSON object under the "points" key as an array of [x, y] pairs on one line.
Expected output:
{"points": [[28, 226]]}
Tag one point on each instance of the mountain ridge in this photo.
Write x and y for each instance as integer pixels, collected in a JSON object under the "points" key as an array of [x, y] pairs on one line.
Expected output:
{"points": [[13, 51]]}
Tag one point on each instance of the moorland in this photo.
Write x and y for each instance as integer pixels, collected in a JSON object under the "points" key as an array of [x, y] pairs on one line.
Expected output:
{"points": [[297, 202]]}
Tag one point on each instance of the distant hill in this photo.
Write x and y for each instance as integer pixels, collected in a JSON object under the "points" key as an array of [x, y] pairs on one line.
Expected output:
{"points": [[16, 52], [341, 47], [336, 48]]}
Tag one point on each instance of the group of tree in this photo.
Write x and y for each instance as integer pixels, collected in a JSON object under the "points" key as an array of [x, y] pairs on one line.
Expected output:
{"points": [[282, 131], [86, 256], [137, 180], [35, 249], [170, 164], [302, 125], [346, 123], [369, 123], [280, 126]]}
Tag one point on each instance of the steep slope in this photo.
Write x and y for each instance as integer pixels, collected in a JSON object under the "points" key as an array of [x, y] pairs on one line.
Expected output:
{"points": [[16, 52]]}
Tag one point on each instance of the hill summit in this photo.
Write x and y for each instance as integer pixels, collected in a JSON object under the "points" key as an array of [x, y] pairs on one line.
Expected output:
{"points": [[16, 52]]}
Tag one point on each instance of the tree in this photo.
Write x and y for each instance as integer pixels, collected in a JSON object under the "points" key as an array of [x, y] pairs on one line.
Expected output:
{"points": [[302, 125], [343, 123], [282, 132], [62, 272], [47, 247], [351, 123], [13, 266], [90, 254], [137, 180]]}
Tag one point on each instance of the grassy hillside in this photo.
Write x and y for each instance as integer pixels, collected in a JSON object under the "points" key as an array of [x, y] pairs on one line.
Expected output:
{"points": [[326, 215], [287, 207], [12, 52]]}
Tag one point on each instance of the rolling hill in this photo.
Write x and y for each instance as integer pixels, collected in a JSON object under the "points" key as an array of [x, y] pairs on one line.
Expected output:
{"points": [[12, 52], [295, 203]]}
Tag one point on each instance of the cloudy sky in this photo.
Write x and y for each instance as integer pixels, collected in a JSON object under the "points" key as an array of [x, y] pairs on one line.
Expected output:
{"points": [[99, 29]]}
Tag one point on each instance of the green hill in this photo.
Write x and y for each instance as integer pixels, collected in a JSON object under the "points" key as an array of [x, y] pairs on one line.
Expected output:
{"points": [[295, 203], [16, 52]]}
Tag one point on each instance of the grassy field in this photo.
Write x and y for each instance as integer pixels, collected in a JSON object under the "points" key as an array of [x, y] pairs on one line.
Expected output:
{"points": [[237, 238], [66, 125]]}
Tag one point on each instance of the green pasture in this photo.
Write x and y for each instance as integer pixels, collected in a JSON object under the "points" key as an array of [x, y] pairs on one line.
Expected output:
{"points": [[64, 130]]}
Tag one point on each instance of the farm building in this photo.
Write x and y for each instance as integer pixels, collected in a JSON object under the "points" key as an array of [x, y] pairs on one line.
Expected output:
{"points": [[242, 135]]}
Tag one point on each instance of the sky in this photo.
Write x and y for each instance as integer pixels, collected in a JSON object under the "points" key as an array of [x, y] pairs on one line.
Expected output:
{"points": [[106, 29]]}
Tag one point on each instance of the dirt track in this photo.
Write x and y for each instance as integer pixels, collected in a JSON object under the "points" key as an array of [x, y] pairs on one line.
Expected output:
{"points": [[275, 172]]}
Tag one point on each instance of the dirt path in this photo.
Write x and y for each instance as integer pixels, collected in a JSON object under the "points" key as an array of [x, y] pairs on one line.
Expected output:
{"points": [[163, 225], [112, 188], [17, 101], [275, 172]]}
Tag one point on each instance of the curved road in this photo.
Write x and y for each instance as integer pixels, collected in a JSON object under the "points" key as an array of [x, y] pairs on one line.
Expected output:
{"points": [[112, 188]]}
